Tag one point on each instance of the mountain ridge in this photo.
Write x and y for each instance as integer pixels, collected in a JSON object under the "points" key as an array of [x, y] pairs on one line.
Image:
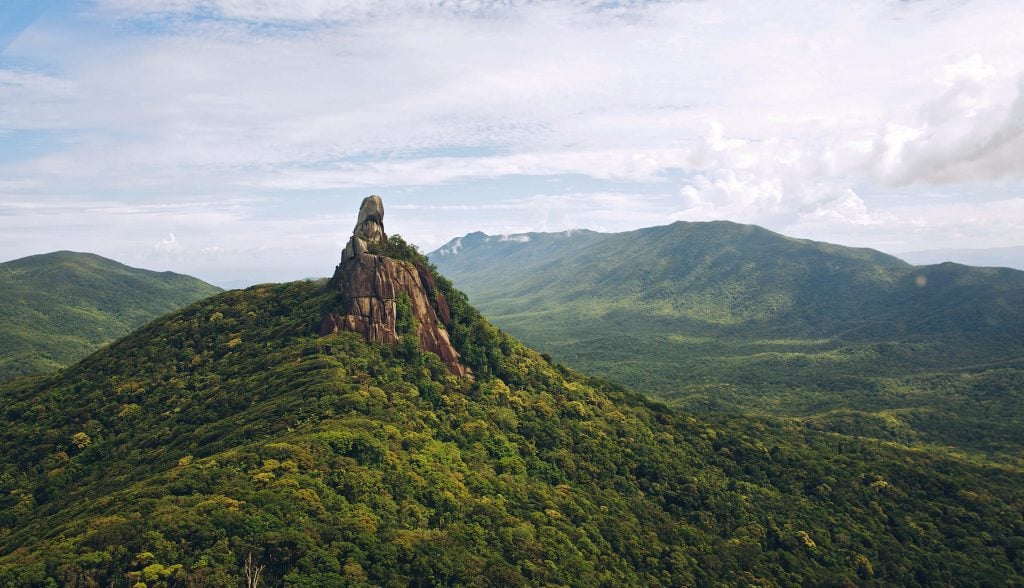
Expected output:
{"points": [[512, 238], [57, 307], [711, 250], [1009, 257], [726, 317], [231, 431], [231, 438]]}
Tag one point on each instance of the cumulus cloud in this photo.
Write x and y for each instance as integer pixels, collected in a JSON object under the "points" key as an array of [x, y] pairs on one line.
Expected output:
{"points": [[723, 194], [619, 96], [745, 197], [168, 247], [549, 115], [973, 129]]}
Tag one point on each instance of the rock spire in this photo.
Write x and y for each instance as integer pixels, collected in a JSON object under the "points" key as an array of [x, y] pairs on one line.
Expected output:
{"points": [[371, 285], [369, 228]]}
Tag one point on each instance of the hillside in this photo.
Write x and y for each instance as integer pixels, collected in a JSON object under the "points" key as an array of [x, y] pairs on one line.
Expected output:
{"points": [[230, 432], [58, 307], [302, 435], [725, 317]]}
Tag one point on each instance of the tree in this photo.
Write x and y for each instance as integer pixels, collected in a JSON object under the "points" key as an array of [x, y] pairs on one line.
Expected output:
{"points": [[252, 572]]}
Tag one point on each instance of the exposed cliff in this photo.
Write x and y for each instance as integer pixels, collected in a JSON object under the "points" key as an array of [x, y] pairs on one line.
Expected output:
{"points": [[372, 284]]}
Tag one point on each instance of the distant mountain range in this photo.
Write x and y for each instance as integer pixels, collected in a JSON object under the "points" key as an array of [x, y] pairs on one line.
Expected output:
{"points": [[56, 308], [1012, 257], [720, 316]]}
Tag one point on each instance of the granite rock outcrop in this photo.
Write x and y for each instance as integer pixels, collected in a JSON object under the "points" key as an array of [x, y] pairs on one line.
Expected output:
{"points": [[371, 284]]}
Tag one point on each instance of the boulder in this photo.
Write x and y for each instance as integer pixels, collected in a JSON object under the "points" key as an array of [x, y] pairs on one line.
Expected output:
{"points": [[370, 226]]}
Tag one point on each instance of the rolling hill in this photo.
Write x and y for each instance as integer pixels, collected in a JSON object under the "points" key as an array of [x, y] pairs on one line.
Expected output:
{"points": [[230, 439], [56, 308], [726, 317]]}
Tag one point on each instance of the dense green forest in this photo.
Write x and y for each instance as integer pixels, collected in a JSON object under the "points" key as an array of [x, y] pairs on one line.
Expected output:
{"points": [[58, 307], [720, 317], [226, 439]]}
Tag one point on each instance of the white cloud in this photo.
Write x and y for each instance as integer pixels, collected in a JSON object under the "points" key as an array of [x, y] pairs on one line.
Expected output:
{"points": [[609, 164], [724, 195], [264, 11], [168, 247], [773, 200], [904, 227], [614, 98], [514, 238], [791, 115], [30, 100], [452, 248], [973, 129]]}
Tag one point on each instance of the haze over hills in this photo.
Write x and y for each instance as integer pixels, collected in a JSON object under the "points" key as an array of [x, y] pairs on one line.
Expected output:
{"points": [[305, 431], [720, 316], [1012, 257], [56, 308]]}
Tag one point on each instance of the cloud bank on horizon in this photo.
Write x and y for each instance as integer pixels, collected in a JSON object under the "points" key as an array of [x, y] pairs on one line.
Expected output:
{"points": [[233, 139]]}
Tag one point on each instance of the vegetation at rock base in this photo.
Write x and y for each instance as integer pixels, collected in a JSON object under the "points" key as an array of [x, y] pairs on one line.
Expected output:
{"points": [[719, 317], [227, 436], [397, 248], [59, 307]]}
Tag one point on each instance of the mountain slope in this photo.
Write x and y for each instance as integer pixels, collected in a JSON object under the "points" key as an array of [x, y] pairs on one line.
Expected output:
{"points": [[720, 316], [732, 278], [58, 307], [229, 432]]}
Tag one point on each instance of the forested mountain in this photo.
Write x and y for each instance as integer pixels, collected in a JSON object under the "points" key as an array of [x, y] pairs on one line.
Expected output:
{"points": [[58, 307], [725, 317], [230, 438]]}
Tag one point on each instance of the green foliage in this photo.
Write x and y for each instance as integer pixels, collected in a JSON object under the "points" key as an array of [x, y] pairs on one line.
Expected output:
{"points": [[397, 248], [337, 462], [719, 317], [57, 308], [405, 320]]}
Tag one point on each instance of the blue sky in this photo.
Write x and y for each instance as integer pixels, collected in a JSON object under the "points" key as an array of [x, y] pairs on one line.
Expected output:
{"points": [[233, 139]]}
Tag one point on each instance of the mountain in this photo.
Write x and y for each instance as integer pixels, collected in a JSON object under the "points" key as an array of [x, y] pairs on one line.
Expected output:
{"points": [[726, 317], [231, 440], [1012, 257], [56, 308]]}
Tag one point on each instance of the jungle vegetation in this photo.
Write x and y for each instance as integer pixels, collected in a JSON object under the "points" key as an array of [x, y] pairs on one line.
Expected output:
{"points": [[56, 308], [227, 438], [725, 318]]}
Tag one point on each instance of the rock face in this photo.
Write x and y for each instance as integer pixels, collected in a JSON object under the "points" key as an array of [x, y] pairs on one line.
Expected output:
{"points": [[371, 285]]}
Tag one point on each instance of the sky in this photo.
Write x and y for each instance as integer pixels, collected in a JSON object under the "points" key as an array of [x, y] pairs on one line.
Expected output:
{"points": [[234, 139]]}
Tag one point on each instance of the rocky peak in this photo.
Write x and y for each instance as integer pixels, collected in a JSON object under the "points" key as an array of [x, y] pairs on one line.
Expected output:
{"points": [[372, 284], [369, 228]]}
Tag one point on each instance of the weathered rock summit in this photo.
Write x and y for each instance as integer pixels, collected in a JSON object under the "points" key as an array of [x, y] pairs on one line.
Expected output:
{"points": [[372, 283], [369, 228]]}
